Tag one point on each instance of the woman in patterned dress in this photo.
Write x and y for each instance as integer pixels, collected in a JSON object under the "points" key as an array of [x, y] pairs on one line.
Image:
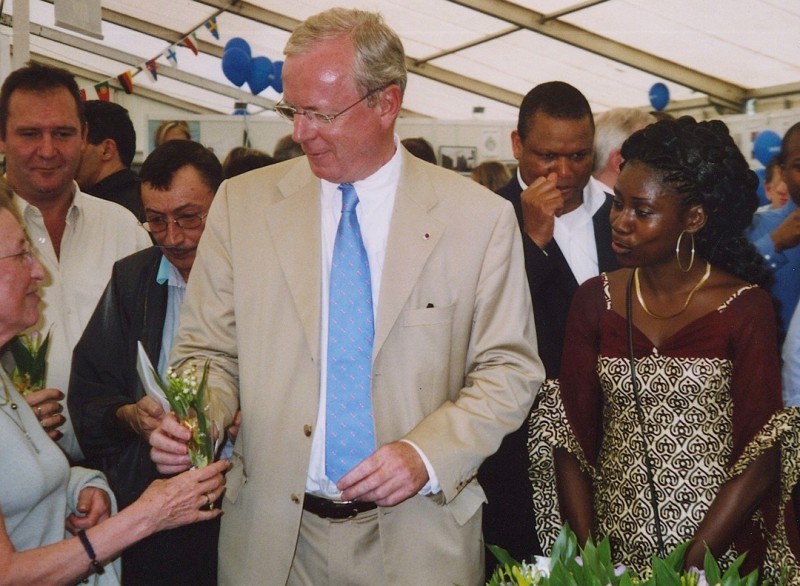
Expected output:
{"points": [[706, 367]]}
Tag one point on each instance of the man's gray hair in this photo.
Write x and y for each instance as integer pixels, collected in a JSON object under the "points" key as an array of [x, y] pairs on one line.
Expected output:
{"points": [[379, 56], [612, 128]]}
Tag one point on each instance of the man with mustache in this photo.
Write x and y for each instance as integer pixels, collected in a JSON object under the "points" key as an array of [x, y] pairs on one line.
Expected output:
{"points": [[563, 214], [113, 417]]}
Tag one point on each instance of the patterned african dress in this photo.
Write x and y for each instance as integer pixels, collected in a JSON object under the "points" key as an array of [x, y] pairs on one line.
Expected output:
{"points": [[712, 401]]}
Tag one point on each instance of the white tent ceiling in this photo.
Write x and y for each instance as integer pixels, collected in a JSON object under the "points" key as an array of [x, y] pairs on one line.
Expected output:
{"points": [[462, 54]]}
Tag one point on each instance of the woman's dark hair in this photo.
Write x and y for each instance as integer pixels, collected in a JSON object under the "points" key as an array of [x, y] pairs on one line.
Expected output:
{"points": [[701, 162]]}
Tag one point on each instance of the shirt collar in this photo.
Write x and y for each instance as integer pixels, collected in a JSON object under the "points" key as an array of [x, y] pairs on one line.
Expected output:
{"points": [[594, 196], [167, 273], [388, 175], [26, 209]]}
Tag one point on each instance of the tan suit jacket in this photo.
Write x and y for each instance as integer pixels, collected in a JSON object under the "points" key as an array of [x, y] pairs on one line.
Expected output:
{"points": [[455, 366]]}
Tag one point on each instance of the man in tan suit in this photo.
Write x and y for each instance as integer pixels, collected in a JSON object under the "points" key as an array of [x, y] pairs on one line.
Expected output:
{"points": [[453, 366]]}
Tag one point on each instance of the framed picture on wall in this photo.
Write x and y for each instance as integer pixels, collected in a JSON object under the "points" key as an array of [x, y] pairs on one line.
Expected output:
{"points": [[458, 158]]}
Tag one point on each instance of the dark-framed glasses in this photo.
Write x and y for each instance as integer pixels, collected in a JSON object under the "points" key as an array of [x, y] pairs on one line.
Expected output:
{"points": [[186, 222], [26, 255], [290, 112]]}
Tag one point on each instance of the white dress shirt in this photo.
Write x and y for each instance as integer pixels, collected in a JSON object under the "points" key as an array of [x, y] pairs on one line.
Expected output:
{"points": [[376, 196]]}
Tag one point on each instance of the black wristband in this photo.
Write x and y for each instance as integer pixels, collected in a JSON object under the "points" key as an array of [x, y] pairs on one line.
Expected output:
{"points": [[87, 545]]}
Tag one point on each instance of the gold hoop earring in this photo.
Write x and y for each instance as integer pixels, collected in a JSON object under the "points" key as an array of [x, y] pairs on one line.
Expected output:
{"points": [[678, 253]]}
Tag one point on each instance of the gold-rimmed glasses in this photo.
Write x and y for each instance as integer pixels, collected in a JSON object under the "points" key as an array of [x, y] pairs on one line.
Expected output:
{"points": [[289, 112]]}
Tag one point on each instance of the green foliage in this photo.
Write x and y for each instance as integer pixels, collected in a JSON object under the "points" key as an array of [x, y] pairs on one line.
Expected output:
{"points": [[570, 565], [30, 362]]}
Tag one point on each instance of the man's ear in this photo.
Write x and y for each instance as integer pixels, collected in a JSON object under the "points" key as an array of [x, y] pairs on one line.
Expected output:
{"points": [[615, 161], [109, 149], [390, 101]]}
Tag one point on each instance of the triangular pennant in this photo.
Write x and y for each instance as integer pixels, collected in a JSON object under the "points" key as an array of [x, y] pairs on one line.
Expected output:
{"points": [[172, 57], [211, 25], [103, 91], [187, 42], [151, 67], [126, 81]]}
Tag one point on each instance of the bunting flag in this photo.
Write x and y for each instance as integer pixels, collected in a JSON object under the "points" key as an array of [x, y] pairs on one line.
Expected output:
{"points": [[126, 81], [172, 57], [211, 25], [151, 67], [103, 91], [187, 42], [83, 94]]}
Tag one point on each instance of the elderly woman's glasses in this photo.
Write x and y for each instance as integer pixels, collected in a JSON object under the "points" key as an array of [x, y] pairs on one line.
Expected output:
{"points": [[26, 255], [187, 222], [290, 112]]}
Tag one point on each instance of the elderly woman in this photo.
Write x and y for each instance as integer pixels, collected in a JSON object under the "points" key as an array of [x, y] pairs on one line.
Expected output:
{"points": [[672, 425], [40, 495]]}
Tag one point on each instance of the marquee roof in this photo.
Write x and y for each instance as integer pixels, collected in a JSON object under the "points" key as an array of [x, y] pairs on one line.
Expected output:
{"points": [[463, 55]]}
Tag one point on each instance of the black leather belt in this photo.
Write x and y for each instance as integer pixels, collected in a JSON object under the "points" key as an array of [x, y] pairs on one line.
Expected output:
{"points": [[328, 509]]}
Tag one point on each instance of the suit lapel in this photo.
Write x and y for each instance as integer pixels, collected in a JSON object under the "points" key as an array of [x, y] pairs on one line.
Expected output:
{"points": [[606, 259], [294, 226], [413, 235]]}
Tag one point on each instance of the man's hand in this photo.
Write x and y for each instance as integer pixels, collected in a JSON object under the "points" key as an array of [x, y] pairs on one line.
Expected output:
{"points": [[787, 234], [142, 417], [394, 473], [541, 203], [168, 442], [94, 506], [45, 404]]}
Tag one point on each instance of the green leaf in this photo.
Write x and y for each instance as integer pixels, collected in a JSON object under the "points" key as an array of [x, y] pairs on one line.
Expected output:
{"points": [[503, 557]]}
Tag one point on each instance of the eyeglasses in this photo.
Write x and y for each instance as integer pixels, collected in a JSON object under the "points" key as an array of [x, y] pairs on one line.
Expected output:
{"points": [[289, 112], [26, 255], [187, 222]]}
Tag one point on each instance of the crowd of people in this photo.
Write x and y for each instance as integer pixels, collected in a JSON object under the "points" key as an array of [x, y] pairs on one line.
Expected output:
{"points": [[404, 363]]}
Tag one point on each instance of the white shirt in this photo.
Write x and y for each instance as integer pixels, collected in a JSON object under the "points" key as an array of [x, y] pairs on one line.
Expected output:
{"points": [[98, 233], [574, 232], [376, 196]]}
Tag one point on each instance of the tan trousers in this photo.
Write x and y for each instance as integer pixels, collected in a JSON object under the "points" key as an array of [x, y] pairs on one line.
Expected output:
{"points": [[338, 553]]}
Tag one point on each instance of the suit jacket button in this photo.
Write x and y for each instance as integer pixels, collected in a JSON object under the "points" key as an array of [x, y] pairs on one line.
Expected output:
{"points": [[295, 498], [307, 430]]}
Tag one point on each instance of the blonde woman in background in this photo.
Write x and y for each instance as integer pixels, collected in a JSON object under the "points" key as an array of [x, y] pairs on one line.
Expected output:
{"points": [[171, 130], [492, 174]]}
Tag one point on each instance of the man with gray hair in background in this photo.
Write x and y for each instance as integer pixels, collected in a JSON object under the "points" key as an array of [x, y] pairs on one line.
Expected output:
{"points": [[611, 129]]}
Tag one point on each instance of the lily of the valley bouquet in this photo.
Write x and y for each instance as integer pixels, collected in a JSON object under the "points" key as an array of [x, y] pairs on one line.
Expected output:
{"points": [[187, 397], [570, 565], [30, 361]]}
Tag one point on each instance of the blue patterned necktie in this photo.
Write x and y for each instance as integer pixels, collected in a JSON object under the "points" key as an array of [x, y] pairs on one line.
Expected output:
{"points": [[349, 430]]}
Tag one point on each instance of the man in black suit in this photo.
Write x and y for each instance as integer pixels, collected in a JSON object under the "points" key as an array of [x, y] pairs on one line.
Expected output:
{"points": [[563, 215]]}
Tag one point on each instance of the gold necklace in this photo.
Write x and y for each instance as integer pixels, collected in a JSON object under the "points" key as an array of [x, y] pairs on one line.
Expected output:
{"points": [[15, 409], [638, 288]]}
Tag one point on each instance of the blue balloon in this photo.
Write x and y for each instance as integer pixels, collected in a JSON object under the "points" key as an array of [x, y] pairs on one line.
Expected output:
{"points": [[659, 96], [766, 146], [762, 196], [236, 65], [276, 78], [238, 43], [260, 72]]}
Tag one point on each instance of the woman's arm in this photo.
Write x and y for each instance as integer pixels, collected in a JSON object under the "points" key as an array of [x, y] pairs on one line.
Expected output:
{"points": [[574, 494], [164, 505], [734, 504]]}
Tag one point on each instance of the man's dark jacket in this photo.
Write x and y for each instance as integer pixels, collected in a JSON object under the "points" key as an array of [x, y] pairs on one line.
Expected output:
{"points": [[121, 187], [508, 518], [103, 379]]}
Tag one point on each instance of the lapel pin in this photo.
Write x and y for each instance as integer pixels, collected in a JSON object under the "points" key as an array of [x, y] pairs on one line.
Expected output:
{"points": [[426, 236]]}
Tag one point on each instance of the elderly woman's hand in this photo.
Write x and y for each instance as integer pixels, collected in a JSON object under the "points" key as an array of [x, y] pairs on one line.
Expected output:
{"points": [[47, 407], [94, 506], [184, 498]]}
